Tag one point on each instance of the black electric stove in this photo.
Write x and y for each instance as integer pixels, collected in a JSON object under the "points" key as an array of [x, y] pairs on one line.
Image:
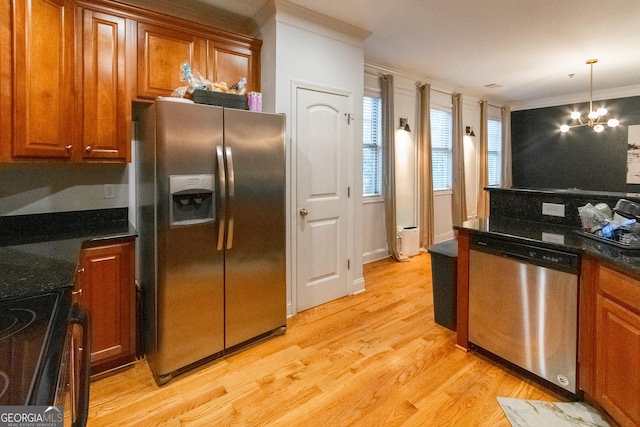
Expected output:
{"points": [[32, 331]]}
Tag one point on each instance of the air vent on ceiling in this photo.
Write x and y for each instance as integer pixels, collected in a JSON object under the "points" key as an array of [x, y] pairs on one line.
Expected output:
{"points": [[493, 86]]}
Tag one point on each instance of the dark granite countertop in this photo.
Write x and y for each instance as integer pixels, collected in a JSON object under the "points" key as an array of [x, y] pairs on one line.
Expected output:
{"points": [[556, 237], [39, 253]]}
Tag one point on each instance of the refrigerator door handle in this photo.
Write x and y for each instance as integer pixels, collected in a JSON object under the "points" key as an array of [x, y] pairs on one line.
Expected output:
{"points": [[230, 177], [223, 198]]}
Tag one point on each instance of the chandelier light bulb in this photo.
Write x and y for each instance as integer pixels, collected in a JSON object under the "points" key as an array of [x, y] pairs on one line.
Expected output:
{"points": [[594, 116]]}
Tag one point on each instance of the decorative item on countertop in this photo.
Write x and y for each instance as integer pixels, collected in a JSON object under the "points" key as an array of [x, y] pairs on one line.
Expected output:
{"points": [[619, 230], [255, 101], [593, 218]]}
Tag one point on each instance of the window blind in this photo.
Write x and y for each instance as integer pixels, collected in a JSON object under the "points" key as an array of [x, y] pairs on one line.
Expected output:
{"points": [[441, 139], [372, 146], [494, 129]]}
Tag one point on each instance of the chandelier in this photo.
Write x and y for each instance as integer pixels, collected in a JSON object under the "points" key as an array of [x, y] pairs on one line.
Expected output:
{"points": [[594, 116]]}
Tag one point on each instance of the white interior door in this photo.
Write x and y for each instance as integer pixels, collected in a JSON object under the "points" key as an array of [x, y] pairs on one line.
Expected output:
{"points": [[322, 197]]}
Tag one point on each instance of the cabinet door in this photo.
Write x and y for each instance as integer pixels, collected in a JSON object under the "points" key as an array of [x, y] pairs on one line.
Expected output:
{"points": [[227, 62], [106, 109], [107, 281], [618, 346], [43, 78], [161, 53]]}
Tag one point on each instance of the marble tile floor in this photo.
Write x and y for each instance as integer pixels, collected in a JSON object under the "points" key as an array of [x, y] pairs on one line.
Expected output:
{"points": [[536, 413]]}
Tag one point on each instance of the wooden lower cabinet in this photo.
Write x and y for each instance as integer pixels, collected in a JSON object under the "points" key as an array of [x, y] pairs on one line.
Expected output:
{"points": [[617, 346], [105, 287]]}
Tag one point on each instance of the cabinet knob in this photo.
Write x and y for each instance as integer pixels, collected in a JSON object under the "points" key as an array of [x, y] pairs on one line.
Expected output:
{"points": [[88, 149], [78, 292], [68, 147], [81, 270]]}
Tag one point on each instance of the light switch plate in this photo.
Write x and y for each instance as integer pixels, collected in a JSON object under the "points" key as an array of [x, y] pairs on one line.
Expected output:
{"points": [[553, 209]]}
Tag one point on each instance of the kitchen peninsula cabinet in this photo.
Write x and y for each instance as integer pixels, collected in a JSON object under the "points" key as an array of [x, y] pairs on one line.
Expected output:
{"points": [[105, 287], [617, 345]]}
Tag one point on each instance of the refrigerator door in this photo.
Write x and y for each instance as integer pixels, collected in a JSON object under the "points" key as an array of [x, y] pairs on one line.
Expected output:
{"points": [[190, 282], [255, 281]]}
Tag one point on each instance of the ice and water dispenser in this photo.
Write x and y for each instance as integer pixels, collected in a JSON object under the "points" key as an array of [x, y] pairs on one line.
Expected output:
{"points": [[192, 199]]}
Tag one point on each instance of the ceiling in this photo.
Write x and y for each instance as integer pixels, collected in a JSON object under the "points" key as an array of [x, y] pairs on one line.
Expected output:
{"points": [[525, 50]]}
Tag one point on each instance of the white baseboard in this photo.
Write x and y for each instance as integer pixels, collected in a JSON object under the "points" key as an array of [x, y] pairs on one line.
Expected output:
{"points": [[376, 255], [444, 236], [357, 286]]}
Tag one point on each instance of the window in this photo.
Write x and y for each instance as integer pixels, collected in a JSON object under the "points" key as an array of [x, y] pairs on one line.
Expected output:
{"points": [[372, 146], [494, 128], [441, 137]]}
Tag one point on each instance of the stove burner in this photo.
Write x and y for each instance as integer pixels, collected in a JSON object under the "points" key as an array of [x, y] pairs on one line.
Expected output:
{"points": [[16, 320], [25, 327], [4, 383]]}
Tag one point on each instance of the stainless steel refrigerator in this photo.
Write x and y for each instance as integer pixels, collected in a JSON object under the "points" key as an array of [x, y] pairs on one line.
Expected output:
{"points": [[211, 220]]}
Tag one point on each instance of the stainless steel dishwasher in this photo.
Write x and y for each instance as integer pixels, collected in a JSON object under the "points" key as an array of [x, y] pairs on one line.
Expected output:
{"points": [[523, 306]]}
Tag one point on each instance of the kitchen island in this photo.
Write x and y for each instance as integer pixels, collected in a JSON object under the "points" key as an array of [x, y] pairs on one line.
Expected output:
{"points": [[608, 321]]}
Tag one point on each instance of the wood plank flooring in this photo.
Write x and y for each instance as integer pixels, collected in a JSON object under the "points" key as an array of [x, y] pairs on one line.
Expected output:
{"points": [[371, 359]]}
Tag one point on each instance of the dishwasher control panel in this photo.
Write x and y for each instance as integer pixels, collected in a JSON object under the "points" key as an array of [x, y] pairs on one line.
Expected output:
{"points": [[560, 260]]}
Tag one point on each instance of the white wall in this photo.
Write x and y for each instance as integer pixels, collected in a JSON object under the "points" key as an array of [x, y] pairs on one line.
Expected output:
{"points": [[33, 188], [302, 52], [407, 203]]}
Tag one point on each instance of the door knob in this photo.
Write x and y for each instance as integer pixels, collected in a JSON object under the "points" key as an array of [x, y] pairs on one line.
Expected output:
{"points": [[304, 212]]}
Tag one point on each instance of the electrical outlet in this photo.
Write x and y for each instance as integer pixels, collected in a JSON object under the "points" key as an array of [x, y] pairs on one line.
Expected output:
{"points": [[553, 209], [109, 191]]}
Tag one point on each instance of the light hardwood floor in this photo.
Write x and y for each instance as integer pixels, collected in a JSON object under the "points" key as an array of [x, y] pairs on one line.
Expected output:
{"points": [[376, 358]]}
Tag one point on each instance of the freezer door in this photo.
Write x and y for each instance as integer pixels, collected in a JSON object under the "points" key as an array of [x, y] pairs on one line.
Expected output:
{"points": [[190, 284], [255, 282]]}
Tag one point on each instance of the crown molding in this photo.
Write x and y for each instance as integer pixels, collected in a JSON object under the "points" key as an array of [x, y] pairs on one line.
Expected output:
{"points": [[309, 20], [622, 92]]}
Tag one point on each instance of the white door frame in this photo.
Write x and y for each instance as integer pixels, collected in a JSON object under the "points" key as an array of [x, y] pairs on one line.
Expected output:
{"points": [[293, 212]]}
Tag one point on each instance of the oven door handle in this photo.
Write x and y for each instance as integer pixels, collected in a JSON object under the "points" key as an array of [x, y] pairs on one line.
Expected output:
{"points": [[80, 317]]}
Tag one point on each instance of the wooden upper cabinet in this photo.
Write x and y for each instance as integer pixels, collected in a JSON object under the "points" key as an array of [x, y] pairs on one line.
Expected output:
{"points": [[43, 79], [106, 107], [161, 53], [70, 69], [227, 62]]}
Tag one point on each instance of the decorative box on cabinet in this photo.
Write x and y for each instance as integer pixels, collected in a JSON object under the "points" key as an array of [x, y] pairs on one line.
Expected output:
{"points": [[617, 365], [105, 287]]}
